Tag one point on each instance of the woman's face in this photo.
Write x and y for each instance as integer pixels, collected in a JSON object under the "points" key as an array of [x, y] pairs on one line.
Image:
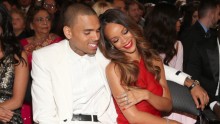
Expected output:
{"points": [[121, 38], [41, 23], [194, 17], [17, 21]]}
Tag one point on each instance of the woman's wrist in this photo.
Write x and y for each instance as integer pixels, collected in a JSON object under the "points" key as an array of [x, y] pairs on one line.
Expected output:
{"points": [[147, 95]]}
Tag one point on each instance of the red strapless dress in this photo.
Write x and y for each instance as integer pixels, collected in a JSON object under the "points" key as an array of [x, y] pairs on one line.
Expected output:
{"points": [[146, 80]]}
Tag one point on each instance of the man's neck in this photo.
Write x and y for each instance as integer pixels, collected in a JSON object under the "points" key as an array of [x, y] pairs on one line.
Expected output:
{"points": [[205, 25], [205, 22]]}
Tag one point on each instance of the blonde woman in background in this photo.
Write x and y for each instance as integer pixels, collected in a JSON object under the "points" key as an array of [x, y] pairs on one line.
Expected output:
{"points": [[101, 6]]}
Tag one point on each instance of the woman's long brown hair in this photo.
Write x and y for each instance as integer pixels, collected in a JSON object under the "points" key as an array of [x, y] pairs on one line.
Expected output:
{"points": [[129, 69]]}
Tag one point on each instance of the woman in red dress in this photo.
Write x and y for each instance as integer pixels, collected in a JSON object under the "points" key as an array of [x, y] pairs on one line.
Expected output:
{"points": [[39, 21], [136, 74]]}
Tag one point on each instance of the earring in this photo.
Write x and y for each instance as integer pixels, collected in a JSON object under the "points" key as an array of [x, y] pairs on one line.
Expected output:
{"points": [[112, 47]]}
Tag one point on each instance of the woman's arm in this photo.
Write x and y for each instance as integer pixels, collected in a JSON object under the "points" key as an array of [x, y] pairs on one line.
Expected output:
{"points": [[19, 86], [132, 114], [163, 103], [136, 95]]}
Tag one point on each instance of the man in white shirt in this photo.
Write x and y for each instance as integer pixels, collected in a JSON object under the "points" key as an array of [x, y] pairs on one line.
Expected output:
{"points": [[69, 84]]}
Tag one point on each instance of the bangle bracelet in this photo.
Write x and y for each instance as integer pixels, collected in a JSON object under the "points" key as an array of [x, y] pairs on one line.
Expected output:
{"points": [[196, 82]]}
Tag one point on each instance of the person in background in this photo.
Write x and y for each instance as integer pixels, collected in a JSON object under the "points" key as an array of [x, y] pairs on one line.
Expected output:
{"points": [[204, 65], [134, 67], [200, 30], [190, 16], [14, 72], [24, 5], [101, 6], [132, 8], [38, 21], [119, 4], [163, 34], [10, 4], [19, 23], [163, 37], [53, 8]]}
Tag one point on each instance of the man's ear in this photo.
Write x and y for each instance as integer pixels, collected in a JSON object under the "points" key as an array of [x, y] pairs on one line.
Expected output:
{"points": [[67, 32]]}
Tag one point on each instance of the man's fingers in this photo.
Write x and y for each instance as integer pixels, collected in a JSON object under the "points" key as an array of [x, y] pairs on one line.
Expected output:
{"points": [[196, 101]]}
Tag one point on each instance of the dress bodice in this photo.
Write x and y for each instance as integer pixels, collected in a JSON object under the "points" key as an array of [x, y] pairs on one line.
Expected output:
{"points": [[7, 76]]}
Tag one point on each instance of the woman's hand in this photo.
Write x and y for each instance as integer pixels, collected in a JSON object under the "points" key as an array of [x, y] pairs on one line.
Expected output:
{"points": [[132, 96], [5, 115]]}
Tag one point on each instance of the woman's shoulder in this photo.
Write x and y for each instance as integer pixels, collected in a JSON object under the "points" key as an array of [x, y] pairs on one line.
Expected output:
{"points": [[178, 45], [113, 69], [112, 66]]}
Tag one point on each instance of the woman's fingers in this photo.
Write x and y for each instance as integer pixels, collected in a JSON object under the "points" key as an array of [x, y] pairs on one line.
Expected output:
{"points": [[5, 115]]}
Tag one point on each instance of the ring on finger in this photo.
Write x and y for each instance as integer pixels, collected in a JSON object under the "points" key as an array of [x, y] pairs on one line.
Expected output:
{"points": [[124, 95], [126, 98]]}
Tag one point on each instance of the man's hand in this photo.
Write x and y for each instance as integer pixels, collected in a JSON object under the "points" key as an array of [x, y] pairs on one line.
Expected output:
{"points": [[199, 95]]}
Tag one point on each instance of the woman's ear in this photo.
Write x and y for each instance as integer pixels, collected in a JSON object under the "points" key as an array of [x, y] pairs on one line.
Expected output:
{"points": [[67, 32]]}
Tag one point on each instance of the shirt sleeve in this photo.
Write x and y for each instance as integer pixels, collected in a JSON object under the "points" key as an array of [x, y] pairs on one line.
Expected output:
{"points": [[175, 75]]}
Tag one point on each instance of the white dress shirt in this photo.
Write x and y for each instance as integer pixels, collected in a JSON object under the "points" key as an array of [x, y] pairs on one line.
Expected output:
{"points": [[87, 84]]}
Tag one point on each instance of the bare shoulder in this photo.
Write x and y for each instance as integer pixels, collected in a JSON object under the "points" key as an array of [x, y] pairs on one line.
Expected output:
{"points": [[112, 69], [23, 55]]}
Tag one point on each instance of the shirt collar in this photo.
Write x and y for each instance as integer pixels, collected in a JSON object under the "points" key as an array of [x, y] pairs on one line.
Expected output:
{"points": [[76, 57], [204, 27]]}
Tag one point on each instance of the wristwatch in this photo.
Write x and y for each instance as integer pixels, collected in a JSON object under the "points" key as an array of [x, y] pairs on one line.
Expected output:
{"points": [[196, 82]]}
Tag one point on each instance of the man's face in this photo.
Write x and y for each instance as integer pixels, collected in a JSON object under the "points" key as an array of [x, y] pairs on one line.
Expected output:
{"points": [[217, 14], [214, 16], [25, 3], [119, 4], [50, 6], [195, 17], [84, 34], [134, 12]]}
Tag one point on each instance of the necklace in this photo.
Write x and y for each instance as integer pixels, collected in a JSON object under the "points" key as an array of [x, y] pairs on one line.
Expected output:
{"points": [[37, 44]]}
